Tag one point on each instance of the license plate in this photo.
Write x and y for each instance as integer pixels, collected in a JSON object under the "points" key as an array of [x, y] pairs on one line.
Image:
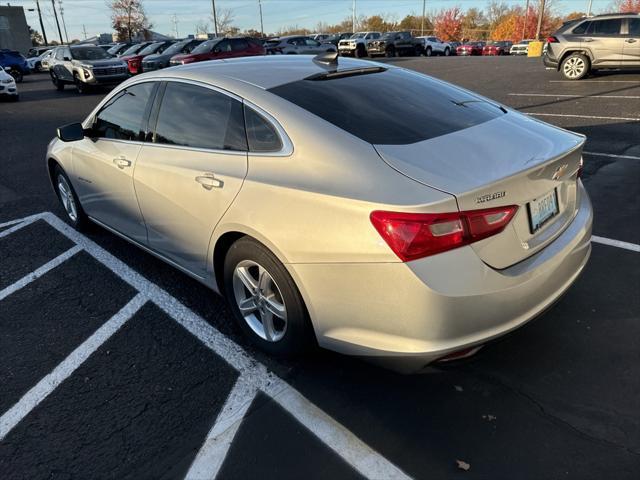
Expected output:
{"points": [[542, 209]]}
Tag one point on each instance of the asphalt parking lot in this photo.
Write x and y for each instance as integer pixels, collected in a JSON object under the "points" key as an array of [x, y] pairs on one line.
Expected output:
{"points": [[115, 365]]}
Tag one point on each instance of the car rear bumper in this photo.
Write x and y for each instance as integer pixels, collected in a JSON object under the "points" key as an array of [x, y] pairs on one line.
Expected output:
{"points": [[550, 62], [406, 315]]}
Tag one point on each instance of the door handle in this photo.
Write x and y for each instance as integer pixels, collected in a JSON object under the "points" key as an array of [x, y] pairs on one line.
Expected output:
{"points": [[631, 40], [209, 181], [122, 162], [587, 39]]}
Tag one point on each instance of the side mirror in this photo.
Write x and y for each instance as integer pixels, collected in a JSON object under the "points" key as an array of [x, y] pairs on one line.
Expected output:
{"points": [[66, 59], [71, 132]]}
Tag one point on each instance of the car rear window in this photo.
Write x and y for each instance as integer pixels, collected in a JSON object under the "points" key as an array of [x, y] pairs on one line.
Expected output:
{"points": [[393, 107]]}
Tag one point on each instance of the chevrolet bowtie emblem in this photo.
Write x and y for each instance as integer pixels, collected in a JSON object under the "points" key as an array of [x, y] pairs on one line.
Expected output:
{"points": [[560, 171]]}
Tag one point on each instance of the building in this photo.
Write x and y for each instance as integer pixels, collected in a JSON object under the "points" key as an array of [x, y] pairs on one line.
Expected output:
{"points": [[14, 32]]}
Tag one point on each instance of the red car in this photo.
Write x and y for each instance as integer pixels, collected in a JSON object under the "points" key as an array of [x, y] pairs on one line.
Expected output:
{"points": [[470, 48], [134, 62], [219, 48], [497, 48]]}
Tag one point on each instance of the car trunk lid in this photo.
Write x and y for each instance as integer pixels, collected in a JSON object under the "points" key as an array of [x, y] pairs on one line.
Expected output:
{"points": [[511, 160]]}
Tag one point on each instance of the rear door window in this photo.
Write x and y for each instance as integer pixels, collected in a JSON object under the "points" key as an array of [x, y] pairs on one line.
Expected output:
{"points": [[605, 27], [198, 117], [582, 28], [634, 27], [393, 107], [239, 44]]}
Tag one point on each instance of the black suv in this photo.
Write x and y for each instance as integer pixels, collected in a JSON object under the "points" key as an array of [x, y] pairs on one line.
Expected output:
{"points": [[586, 44], [395, 44]]}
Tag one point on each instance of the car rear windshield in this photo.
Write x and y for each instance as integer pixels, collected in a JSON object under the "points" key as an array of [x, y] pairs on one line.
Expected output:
{"points": [[393, 107]]}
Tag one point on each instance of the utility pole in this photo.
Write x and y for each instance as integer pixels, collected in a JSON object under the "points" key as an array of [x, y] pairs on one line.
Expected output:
{"points": [[424, 5], [44, 34], [540, 15], [215, 18], [589, 8], [84, 30], [261, 25], [353, 17], [64, 25], [174, 19], [526, 19], [55, 14]]}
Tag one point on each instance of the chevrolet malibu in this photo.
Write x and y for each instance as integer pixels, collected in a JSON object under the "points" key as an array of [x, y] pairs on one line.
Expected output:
{"points": [[405, 228]]}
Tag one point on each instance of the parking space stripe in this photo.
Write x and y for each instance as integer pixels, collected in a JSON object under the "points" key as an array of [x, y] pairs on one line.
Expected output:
{"points": [[590, 117], [219, 439], [16, 225], [616, 243], [559, 95], [594, 81], [343, 442], [612, 155], [45, 386], [27, 279]]}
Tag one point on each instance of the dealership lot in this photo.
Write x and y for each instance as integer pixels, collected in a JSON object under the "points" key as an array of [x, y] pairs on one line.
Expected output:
{"points": [[114, 365]]}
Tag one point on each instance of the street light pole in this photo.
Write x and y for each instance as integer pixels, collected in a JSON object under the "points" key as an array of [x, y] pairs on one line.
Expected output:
{"points": [[261, 25], [215, 18], [540, 15], [424, 5], [55, 14]]}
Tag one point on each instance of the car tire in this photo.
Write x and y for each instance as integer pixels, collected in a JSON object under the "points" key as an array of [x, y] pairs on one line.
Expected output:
{"points": [[69, 200], [576, 66], [17, 75], [390, 52], [15, 98], [447, 52], [428, 52], [59, 84], [360, 52], [81, 87], [255, 278]]}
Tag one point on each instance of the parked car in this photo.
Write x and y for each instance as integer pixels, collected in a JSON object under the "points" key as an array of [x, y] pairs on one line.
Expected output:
{"points": [[45, 61], [8, 88], [335, 39], [497, 48], [520, 48], [325, 202], [320, 37], [588, 44], [220, 48], [119, 48], [35, 63], [85, 67], [358, 45], [18, 66], [435, 46], [298, 44], [156, 61], [134, 62], [470, 48], [133, 49], [454, 47], [395, 44], [37, 51]]}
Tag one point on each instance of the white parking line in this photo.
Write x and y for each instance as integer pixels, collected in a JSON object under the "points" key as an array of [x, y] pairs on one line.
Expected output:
{"points": [[591, 117], [16, 226], [563, 95], [616, 243], [356, 453], [27, 279], [45, 386], [595, 81], [611, 155]]}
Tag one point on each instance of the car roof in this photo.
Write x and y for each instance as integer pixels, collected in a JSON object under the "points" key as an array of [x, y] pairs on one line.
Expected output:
{"points": [[265, 72]]}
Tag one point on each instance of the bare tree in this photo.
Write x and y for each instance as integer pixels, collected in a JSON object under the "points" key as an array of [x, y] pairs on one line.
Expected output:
{"points": [[129, 18], [202, 27], [225, 17]]}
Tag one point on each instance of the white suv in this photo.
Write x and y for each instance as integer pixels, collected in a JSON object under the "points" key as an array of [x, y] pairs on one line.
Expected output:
{"points": [[358, 44], [433, 45]]}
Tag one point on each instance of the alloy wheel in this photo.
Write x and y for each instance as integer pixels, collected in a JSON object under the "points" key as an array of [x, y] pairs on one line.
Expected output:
{"points": [[259, 300], [66, 197], [574, 67]]}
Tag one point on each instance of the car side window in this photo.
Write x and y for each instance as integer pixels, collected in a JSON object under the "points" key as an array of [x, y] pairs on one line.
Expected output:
{"points": [[261, 135], [223, 46], [198, 117], [122, 117], [605, 27], [59, 54], [239, 44], [310, 42], [580, 29], [634, 27]]}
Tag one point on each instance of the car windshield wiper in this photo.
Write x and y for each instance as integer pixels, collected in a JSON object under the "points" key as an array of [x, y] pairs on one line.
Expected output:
{"points": [[352, 72], [464, 104]]}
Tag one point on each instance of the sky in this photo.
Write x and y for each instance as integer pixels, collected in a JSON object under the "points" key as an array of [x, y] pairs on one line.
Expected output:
{"points": [[94, 15]]}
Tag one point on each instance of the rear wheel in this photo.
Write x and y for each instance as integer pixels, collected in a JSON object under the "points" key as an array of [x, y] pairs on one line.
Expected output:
{"points": [[69, 199], [265, 300], [575, 66]]}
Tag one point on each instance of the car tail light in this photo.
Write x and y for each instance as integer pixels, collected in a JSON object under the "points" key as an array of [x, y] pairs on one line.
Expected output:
{"points": [[552, 40], [417, 235]]}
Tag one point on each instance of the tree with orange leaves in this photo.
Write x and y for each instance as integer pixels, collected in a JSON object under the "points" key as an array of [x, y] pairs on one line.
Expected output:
{"points": [[447, 24], [626, 6]]}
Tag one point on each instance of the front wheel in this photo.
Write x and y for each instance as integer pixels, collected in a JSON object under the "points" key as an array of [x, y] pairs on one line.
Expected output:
{"points": [[69, 199], [429, 52], [80, 85], [265, 300], [575, 66], [447, 52], [16, 74], [59, 84]]}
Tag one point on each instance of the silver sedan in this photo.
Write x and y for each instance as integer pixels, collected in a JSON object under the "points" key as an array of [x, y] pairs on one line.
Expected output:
{"points": [[369, 209]]}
